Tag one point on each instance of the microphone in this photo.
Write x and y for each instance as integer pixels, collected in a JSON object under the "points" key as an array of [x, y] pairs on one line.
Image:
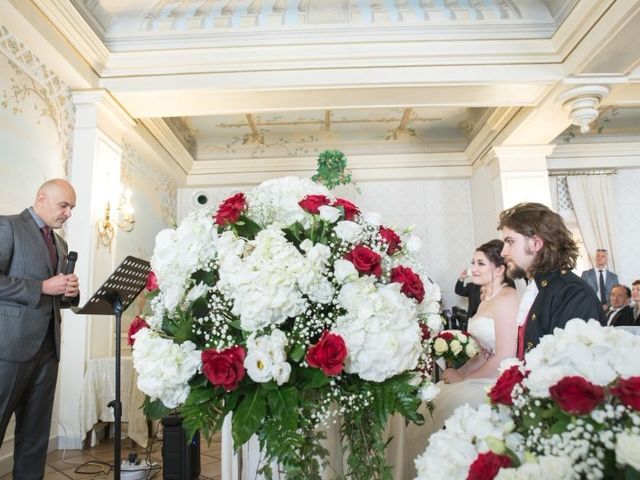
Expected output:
{"points": [[71, 262], [71, 265]]}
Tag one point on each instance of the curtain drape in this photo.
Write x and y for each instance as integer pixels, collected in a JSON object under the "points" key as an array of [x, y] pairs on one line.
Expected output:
{"points": [[592, 200]]}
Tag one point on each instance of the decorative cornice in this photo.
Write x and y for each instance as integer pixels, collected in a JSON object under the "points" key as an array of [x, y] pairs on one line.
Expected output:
{"points": [[75, 28], [582, 103], [158, 128]]}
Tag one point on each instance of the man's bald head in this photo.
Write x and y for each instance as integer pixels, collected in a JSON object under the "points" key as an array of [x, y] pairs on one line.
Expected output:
{"points": [[54, 201]]}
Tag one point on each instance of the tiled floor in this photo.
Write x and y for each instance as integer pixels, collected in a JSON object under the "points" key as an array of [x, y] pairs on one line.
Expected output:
{"points": [[61, 467]]}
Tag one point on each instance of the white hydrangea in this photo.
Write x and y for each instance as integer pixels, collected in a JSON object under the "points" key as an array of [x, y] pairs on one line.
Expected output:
{"points": [[164, 367], [276, 201], [584, 349], [180, 252], [267, 359], [380, 329], [264, 283]]}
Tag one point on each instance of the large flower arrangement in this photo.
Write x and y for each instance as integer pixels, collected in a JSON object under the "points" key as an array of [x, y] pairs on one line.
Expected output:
{"points": [[289, 308], [571, 411]]}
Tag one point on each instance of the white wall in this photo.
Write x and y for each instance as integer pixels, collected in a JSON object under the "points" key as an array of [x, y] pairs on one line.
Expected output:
{"points": [[439, 209]]}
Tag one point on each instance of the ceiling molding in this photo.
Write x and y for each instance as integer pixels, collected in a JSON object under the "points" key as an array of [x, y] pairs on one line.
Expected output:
{"points": [[483, 140], [158, 128], [75, 28]]}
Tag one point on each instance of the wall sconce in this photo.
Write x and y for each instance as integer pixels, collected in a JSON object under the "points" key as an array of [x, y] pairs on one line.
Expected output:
{"points": [[124, 221]]}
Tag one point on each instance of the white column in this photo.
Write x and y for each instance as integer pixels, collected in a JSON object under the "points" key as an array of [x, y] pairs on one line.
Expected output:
{"points": [[95, 169]]}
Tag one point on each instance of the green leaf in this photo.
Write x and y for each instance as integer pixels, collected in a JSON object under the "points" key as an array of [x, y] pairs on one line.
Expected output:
{"points": [[297, 353], [155, 410], [247, 228], [312, 378], [202, 394], [248, 416], [283, 403]]}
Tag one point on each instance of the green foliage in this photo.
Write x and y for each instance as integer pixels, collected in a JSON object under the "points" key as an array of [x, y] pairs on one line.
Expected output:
{"points": [[249, 414], [332, 169], [154, 410]]}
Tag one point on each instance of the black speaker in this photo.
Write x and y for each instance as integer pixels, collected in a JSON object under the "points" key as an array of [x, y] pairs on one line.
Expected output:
{"points": [[180, 455]]}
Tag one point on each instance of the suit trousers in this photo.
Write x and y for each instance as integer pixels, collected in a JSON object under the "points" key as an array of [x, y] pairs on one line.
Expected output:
{"points": [[28, 391]]}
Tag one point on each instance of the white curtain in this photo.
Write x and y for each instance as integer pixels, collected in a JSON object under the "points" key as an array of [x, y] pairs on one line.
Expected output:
{"points": [[592, 203]]}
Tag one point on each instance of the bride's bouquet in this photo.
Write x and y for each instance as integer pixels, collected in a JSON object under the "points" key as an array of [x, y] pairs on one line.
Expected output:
{"points": [[453, 348], [571, 411], [291, 309]]}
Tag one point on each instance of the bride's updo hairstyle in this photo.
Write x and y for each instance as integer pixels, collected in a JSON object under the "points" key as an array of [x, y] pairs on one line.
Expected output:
{"points": [[493, 249]]}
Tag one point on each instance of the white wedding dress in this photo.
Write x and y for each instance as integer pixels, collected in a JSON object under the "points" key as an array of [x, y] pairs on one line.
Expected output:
{"points": [[452, 395]]}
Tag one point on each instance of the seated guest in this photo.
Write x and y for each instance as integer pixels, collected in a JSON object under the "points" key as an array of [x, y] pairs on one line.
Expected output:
{"points": [[469, 290], [635, 296], [600, 279], [620, 312]]}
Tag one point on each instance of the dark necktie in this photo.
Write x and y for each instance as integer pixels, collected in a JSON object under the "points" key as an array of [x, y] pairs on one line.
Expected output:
{"points": [[48, 239], [603, 290]]}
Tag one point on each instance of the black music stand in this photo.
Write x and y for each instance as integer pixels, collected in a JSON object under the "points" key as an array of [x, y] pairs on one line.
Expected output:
{"points": [[112, 298]]}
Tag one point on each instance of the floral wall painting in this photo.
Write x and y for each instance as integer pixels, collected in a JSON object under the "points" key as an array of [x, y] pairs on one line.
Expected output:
{"points": [[29, 89]]}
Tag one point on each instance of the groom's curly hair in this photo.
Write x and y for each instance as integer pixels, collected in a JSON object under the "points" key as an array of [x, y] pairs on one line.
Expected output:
{"points": [[559, 251]]}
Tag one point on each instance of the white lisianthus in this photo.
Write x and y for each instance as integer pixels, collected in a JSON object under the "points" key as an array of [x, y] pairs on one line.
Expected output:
{"points": [[456, 347], [413, 244], [380, 330], [372, 218], [195, 293], [267, 359], [440, 346], [544, 467], [344, 271], [348, 231], [628, 450], [164, 368], [329, 214]]}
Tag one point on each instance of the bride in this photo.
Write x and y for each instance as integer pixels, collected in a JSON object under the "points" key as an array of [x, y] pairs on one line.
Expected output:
{"points": [[494, 329]]}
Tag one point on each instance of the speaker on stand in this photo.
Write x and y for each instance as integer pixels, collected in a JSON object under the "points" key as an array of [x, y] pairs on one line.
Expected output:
{"points": [[180, 456]]}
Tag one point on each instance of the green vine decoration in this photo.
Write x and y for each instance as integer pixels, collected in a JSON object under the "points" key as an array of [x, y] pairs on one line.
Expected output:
{"points": [[332, 169]]}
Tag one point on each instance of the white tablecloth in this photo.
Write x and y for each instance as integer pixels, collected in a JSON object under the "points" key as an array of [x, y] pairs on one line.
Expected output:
{"points": [[99, 389]]}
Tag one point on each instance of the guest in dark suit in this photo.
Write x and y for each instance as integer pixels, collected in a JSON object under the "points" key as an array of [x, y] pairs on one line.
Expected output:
{"points": [[469, 290], [32, 288], [620, 312], [635, 296], [600, 279], [539, 247]]}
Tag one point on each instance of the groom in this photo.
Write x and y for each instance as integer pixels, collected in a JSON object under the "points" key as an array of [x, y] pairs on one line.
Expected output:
{"points": [[539, 247]]}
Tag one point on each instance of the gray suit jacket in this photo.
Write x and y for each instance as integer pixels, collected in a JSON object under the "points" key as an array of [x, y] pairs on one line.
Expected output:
{"points": [[591, 277], [25, 311]]}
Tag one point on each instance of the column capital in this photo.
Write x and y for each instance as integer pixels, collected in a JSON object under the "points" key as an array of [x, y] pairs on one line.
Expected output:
{"points": [[106, 107]]}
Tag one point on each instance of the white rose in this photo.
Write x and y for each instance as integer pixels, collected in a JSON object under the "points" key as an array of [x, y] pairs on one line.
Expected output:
{"points": [[456, 347], [344, 271], [440, 346], [628, 450], [329, 214], [471, 350], [347, 231]]}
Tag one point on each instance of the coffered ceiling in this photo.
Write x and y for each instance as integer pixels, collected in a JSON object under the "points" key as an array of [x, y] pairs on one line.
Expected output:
{"points": [[235, 86]]}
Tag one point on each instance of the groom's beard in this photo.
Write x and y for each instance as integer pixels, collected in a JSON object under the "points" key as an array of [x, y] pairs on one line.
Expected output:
{"points": [[514, 272]]}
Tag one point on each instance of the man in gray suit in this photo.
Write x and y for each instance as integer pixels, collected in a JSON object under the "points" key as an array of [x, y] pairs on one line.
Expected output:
{"points": [[32, 291], [600, 279]]}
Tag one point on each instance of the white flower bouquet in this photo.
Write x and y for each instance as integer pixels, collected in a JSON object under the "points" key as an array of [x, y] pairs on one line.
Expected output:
{"points": [[288, 307], [571, 411]]}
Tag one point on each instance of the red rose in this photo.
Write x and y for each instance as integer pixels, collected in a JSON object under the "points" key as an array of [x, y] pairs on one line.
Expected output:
{"points": [[487, 465], [137, 325], [312, 203], [230, 210], [152, 282], [628, 391], [412, 286], [391, 238], [350, 210], [328, 354], [447, 336], [426, 334], [365, 260], [501, 390], [576, 396], [225, 368]]}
